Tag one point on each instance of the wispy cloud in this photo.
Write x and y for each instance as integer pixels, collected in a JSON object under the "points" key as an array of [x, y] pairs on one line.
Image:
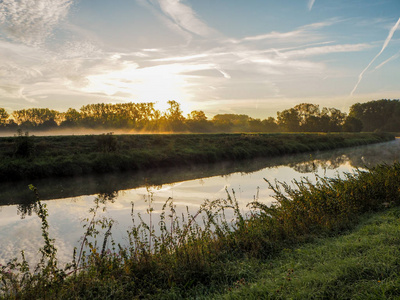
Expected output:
{"points": [[387, 41], [32, 21], [274, 35], [310, 4], [182, 17], [326, 50], [300, 32]]}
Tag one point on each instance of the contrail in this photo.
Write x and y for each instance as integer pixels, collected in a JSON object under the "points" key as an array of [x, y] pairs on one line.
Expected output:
{"points": [[310, 4], [391, 32], [389, 59]]}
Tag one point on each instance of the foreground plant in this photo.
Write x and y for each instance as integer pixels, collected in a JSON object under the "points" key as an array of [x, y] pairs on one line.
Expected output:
{"points": [[17, 277], [200, 252]]}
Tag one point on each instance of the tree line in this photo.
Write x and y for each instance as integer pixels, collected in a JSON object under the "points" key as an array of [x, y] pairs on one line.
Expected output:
{"points": [[378, 115]]}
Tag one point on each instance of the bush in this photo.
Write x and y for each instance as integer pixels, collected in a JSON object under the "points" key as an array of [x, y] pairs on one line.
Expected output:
{"points": [[107, 142], [24, 146]]}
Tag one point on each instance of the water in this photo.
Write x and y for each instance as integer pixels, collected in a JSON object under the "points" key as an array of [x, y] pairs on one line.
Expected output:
{"points": [[69, 200]]}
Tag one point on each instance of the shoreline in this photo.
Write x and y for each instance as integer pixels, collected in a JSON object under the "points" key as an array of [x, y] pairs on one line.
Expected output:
{"points": [[69, 156]]}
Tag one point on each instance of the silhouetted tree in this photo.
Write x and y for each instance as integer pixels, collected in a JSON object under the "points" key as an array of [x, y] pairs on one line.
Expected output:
{"points": [[352, 124], [377, 115], [174, 116], [289, 120], [3, 117]]}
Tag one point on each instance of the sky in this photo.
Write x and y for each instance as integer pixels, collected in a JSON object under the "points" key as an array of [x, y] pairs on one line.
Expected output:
{"points": [[253, 57]]}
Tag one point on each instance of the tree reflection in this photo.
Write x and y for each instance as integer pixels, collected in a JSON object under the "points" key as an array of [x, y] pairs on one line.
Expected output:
{"points": [[26, 209]]}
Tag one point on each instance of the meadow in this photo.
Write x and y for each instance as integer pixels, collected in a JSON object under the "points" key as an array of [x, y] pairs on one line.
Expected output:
{"points": [[31, 157]]}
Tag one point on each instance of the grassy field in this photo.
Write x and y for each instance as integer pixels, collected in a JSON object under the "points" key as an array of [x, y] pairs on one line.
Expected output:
{"points": [[32, 157], [307, 244], [361, 264]]}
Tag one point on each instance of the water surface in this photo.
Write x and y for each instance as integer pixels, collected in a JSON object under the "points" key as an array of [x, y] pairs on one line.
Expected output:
{"points": [[69, 200]]}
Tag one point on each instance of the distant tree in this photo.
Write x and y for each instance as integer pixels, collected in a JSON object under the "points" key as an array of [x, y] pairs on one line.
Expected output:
{"points": [[231, 122], [332, 120], [32, 117], [197, 115], [11, 125], [307, 117], [352, 124], [270, 125], [377, 115], [70, 118], [3, 117], [48, 125], [197, 122], [289, 120], [255, 125], [174, 116]]}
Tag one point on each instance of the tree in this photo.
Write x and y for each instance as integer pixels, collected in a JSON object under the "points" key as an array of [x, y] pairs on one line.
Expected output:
{"points": [[352, 124], [197, 122], [3, 117], [231, 122], [332, 120], [377, 115], [174, 116], [197, 115], [33, 117], [289, 120], [270, 125], [307, 117], [71, 118]]}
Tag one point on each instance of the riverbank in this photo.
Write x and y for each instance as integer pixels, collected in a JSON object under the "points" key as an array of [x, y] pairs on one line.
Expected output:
{"points": [[33, 157], [220, 249], [361, 264]]}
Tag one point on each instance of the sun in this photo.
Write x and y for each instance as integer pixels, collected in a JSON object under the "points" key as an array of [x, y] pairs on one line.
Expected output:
{"points": [[156, 84]]}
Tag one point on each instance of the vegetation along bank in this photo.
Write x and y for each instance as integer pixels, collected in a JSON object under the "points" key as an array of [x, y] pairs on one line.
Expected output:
{"points": [[30, 157], [211, 255]]}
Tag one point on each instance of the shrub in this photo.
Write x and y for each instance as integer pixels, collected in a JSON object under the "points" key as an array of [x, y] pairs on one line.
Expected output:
{"points": [[24, 146]]}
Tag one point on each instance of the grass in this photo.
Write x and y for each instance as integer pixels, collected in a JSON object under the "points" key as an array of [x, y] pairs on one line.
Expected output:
{"points": [[31, 157], [361, 264], [219, 248]]}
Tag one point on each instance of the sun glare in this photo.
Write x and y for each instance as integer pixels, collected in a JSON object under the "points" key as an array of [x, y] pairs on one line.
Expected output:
{"points": [[153, 84], [149, 84]]}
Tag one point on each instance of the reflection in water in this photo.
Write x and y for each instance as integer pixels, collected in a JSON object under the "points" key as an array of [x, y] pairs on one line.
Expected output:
{"points": [[188, 187], [357, 157], [26, 209]]}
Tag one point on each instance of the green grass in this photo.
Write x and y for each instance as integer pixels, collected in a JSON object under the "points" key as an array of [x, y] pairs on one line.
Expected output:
{"points": [[196, 256], [57, 156], [361, 264]]}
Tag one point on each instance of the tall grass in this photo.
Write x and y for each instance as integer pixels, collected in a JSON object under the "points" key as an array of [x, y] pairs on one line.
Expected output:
{"points": [[197, 253]]}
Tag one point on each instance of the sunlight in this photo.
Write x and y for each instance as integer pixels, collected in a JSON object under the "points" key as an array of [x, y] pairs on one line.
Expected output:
{"points": [[153, 84]]}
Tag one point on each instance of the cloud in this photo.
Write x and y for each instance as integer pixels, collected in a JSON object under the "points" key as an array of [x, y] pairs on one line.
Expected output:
{"points": [[32, 21], [387, 41], [326, 50], [310, 4], [300, 32], [182, 17], [273, 35]]}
